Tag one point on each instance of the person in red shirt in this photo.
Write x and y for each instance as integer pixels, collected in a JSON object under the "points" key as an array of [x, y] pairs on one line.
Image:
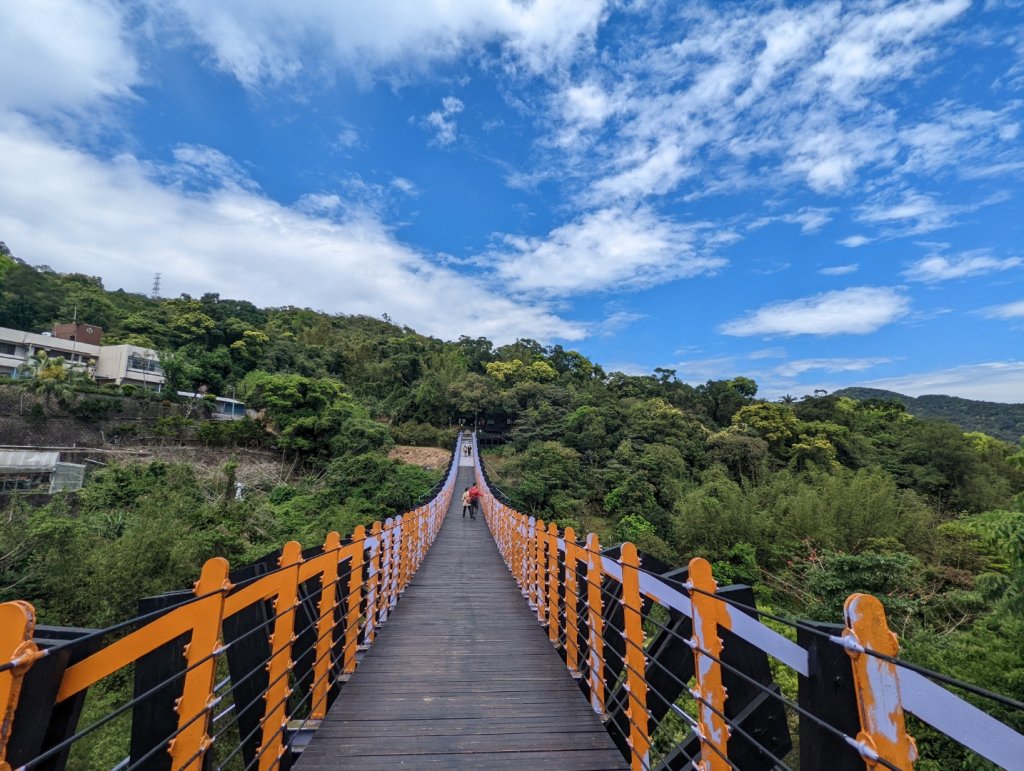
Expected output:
{"points": [[474, 501]]}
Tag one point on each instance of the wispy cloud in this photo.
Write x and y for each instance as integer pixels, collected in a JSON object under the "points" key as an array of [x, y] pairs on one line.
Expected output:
{"points": [[856, 311], [934, 268], [1014, 310], [911, 214], [442, 121], [768, 353], [800, 366], [266, 42], [760, 92], [840, 270], [615, 322], [810, 219], [853, 242], [611, 248]]}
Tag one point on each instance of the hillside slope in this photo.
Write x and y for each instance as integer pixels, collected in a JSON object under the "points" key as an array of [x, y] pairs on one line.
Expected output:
{"points": [[1004, 421]]}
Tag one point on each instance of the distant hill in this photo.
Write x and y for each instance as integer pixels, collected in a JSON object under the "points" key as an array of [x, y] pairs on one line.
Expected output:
{"points": [[1004, 421]]}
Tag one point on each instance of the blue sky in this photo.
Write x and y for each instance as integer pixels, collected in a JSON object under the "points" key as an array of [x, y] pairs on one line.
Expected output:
{"points": [[814, 195]]}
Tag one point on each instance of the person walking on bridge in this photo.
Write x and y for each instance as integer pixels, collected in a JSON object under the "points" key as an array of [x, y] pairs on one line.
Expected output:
{"points": [[467, 503], [474, 500]]}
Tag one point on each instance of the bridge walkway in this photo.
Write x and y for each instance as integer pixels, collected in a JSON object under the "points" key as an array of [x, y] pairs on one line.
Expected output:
{"points": [[461, 676]]}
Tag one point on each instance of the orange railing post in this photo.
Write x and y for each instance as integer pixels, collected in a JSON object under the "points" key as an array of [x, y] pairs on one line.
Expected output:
{"points": [[540, 568], [387, 564], [373, 590], [17, 625], [883, 728], [595, 624], [553, 614], [193, 740], [523, 534], [325, 625], [275, 716], [636, 665], [572, 599], [355, 600], [708, 614]]}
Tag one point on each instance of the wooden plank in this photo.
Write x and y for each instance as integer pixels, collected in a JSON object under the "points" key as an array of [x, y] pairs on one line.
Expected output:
{"points": [[461, 676]]}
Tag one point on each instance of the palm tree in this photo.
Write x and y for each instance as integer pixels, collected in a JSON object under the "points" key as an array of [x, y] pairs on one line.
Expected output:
{"points": [[787, 399], [48, 377]]}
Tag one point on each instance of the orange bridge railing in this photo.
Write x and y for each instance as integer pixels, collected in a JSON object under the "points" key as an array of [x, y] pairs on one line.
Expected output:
{"points": [[658, 649], [288, 636]]}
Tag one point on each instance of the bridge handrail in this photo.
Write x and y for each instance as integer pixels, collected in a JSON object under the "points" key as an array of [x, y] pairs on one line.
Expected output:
{"points": [[545, 563], [379, 564]]}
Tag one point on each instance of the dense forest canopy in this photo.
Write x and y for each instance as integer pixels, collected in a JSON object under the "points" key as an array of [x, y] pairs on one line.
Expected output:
{"points": [[807, 499]]}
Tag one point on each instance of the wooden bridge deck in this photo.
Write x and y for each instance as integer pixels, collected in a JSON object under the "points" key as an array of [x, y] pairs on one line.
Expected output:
{"points": [[462, 676]]}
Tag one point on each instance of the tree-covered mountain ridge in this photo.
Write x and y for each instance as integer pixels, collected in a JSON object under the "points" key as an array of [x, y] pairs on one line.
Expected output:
{"points": [[998, 419]]}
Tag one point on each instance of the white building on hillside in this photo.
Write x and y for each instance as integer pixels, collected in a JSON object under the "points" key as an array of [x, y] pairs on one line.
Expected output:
{"points": [[119, 364]]}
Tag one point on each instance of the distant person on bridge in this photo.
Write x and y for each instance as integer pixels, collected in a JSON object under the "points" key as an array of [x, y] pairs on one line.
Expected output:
{"points": [[474, 500], [467, 503]]}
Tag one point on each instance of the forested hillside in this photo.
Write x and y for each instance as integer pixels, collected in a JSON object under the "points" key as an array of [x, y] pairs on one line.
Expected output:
{"points": [[808, 500], [1003, 421]]}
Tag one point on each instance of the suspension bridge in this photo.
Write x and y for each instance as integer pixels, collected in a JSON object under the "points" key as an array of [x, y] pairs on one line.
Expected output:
{"points": [[548, 651]]}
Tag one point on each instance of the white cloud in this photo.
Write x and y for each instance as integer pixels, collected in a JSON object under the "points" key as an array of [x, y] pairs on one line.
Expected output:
{"points": [[856, 311], [879, 43], [997, 381], [799, 366], [701, 370], [840, 270], [271, 41], [810, 219], [616, 322], [348, 137], [406, 186], [914, 214], [732, 97], [1013, 310], [768, 353], [657, 173], [939, 268], [853, 242], [603, 250], [117, 219], [443, 121], [63, 55]]}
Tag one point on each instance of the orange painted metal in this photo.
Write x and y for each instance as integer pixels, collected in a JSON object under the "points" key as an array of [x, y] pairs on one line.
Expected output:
{"points": [[355, 553], [709, 613], [373, 591], [405, 558], [125, 651], [519, 559], [595, 624], [530, 548], [636, 664], [325, 624], [259, 590], [572, 650], [189, 747], [275, 715], [883, 728], [541, 568], [17, 624], [553, 615], [389, 572]]}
